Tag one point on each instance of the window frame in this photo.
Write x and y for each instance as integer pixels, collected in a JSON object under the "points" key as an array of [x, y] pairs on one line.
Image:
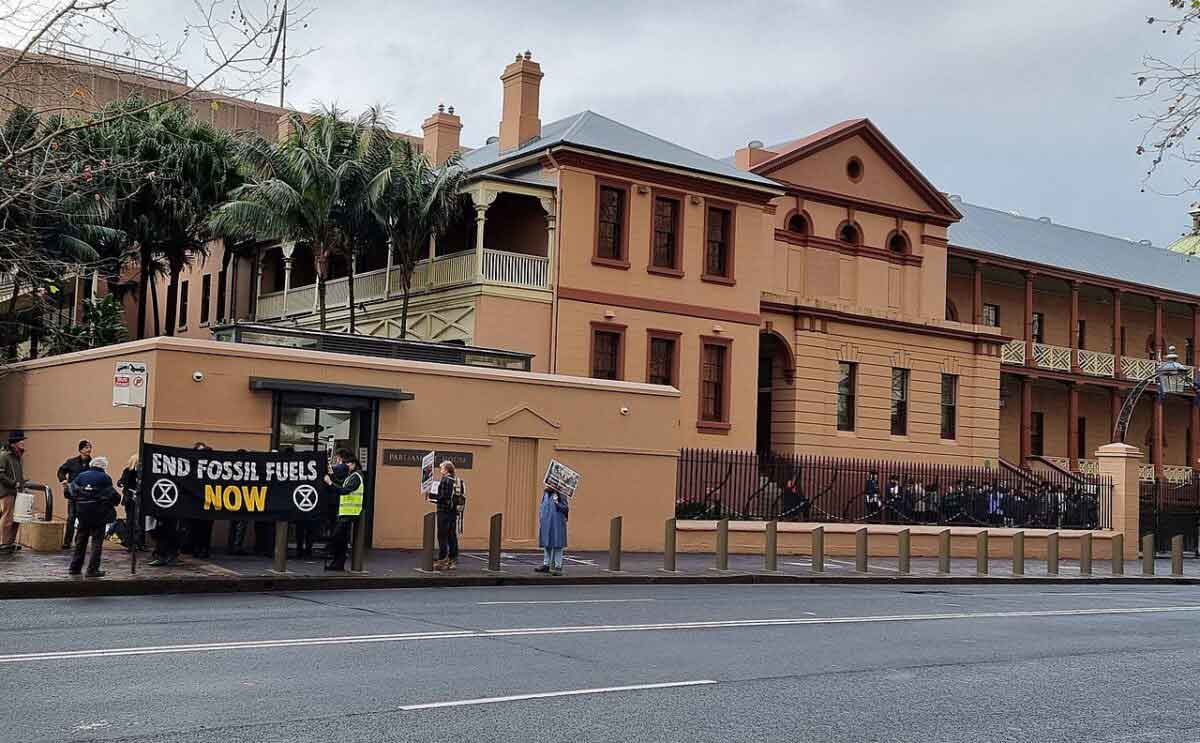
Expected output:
{"points": [[901, 404], [906, 248], [730, 242], [222, 295], [622, 260], [858, 232], [205, 299], [181, 305], [851, 396], [675, 270], [951, 408], [801, 215], [995, 315], [723, 425], [619, 331], [675, 338]]}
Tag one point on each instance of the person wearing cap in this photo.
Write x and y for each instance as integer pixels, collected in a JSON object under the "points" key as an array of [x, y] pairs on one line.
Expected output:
{"points": [[12, 479], [67, 473], [95, 506]]}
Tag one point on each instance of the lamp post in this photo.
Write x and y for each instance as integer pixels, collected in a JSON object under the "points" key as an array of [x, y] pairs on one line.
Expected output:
{"points": [[1170, 376]]}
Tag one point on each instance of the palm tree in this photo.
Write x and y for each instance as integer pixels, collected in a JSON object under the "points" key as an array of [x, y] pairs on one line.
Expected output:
{"points": [[414, 203], [296, 190]]}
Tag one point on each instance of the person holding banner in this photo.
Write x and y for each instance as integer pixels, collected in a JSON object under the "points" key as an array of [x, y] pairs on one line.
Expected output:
{"points": [[350, 504], [447, 518], [552, 531]]}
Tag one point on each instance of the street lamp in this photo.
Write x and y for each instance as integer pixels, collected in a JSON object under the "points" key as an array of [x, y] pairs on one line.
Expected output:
{"points": [[1171, 377]]}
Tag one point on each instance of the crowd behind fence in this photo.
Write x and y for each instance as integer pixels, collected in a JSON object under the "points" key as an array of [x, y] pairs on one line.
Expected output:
{"points": [[715, 484]]}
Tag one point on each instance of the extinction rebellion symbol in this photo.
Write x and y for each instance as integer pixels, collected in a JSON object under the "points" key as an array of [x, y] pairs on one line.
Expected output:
{"points": [[305, 497], [164, 493]]}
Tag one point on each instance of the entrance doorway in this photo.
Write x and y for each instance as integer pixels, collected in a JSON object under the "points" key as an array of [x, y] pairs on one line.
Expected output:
{"points": [[776, 369]]}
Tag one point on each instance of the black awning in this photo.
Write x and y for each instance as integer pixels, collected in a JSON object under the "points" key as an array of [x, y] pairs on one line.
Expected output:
{"points": [[328, 388]]}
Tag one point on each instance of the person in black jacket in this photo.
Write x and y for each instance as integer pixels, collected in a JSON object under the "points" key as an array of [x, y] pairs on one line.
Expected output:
{"points": [[447, 519], [129, 499], [66, 475], [95, 506], [199, 531]]}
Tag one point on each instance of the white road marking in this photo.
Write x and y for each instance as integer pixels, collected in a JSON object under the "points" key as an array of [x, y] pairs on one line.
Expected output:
{"points": [[570, 601], [91, 726], [550, 694], [580, 629]]}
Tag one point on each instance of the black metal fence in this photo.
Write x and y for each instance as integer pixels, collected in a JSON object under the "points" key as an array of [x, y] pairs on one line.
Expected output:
{"points": [[716, 484], [1171, 508]]}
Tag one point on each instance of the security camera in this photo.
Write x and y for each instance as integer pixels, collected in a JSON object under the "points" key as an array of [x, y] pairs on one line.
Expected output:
{"points": [[197, 376], [624, 411]]}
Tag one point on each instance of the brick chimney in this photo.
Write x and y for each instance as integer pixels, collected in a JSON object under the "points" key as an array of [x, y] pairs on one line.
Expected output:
{"points": [[441, 131], [752, 154], [519, 120]]}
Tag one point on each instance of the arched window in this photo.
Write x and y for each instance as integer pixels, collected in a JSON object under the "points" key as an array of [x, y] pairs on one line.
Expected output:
{"points": [[849, 233], [798, 224], [898, 243]]}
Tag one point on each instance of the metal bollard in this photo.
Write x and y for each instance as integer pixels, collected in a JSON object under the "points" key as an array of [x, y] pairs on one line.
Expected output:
{"points": [[358, 546], [860, 550], [723, 544], [818, 549], [614, 545], [1085, 553], [495, 530], [771, 547], [981, 553], [944, 552], [904, 552], [281, 534], [1148, 554], [1052, 553], [1018, 553], [669, 546], [1117, 545], [1177, 555], [427, 536]]}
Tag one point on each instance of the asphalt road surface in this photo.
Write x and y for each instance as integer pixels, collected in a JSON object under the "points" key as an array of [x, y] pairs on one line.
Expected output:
{"points": [[609, 663]]}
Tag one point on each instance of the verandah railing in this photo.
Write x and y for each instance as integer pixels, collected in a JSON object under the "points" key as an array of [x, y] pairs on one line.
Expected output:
{"points": [[714, 484]]}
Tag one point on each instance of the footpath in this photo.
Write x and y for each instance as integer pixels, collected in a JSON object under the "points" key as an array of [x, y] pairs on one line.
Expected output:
{"points": [[44, 575]]}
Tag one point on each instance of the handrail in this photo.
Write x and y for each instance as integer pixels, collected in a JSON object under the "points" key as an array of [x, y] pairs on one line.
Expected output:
{"points": [[1073, 476]]}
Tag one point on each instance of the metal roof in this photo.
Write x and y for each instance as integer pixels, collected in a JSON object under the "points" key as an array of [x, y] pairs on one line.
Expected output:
{"points": [[592, 131], [1041, 241]]}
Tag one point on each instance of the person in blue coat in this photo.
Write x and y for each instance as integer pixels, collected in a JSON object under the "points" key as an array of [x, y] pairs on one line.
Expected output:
{"points": [[95, 507], [552, 531]]}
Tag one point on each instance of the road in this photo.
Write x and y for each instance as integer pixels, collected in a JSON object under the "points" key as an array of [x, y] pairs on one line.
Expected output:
{"points": [[609, 663]]}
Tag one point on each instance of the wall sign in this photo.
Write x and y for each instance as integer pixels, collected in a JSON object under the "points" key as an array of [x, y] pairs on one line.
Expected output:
{"points": [[462, 460]]}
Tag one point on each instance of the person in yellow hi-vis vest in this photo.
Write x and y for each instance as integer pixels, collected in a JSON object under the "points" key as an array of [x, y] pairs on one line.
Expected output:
{"points": [[350, 505]]}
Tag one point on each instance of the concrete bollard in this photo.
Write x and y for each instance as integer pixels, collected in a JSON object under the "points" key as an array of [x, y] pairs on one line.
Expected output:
{"points": [[1085, 553], [1118, 553], [358, 547], [723, 544], [614, 545], [1177, 555], [944, 552], [860, 550], [981, 553], [669, 546], [495, 530], [281, 535], [427, 537], [904, 552], [1018, 553], [1052, 553], [1148, 554], [771, 547], [818, 549]]}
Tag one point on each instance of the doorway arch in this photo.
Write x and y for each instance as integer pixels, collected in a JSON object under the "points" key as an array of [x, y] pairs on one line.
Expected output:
{"points": [[776, 362]]}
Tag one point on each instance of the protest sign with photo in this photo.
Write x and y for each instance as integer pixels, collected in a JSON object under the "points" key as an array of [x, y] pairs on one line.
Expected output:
{"points": [[561, 478]]}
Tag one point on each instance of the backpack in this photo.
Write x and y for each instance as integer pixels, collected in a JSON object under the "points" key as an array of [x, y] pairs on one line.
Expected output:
{"points": [[460, 494]]}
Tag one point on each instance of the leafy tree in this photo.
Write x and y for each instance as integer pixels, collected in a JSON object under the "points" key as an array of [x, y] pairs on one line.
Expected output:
{"points": [[103, 325]]}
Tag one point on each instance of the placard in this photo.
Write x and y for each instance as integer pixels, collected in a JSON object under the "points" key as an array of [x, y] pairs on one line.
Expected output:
{"points": [[427, 469], [561, 478]]}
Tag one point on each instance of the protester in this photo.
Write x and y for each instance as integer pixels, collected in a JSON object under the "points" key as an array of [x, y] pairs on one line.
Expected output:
{"points": [[447, 519], [552, 531], [12, 479], [264, 531], [95, 506], [350, 502], [199, 531], [237, 533], [128, 483], [66, 475]]}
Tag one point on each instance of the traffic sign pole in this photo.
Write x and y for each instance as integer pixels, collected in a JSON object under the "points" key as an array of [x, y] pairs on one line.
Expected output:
{"points": [[135, 534]]}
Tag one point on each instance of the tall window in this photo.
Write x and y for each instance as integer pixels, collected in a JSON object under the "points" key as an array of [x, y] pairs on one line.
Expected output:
{"points": [[181, 315], [714, 359], [949, 406], [899, 402], [847, 379], [1039, 327], [991, 315], [1081, 438], [606, 354], [661, 361], [205, 297], [1081, 334], [1036, 434], [717, 253], [666, 233], [221, 287], [610, 242]]}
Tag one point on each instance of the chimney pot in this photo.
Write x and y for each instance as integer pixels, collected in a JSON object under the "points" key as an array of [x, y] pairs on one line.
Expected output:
{"points": [[527, 54], [451, 109], [441, 108]]}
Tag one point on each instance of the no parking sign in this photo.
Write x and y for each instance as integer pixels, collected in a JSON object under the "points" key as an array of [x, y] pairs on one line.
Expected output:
{"points": [[129, 384]]}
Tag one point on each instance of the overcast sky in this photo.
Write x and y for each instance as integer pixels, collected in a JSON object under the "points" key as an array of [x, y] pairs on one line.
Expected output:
{"points": [[1018, 105]]}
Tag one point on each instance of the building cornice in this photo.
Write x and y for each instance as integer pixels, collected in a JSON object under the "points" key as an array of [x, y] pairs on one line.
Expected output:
{"points": [[657, 305], [986, 342], [866, 205], [862, 251]]}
